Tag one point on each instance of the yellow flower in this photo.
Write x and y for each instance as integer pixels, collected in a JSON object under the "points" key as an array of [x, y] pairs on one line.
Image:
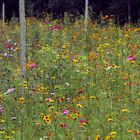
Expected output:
{"points": [[130, 131], [113, 134], [21, 100], [108, 138], [51, 101], [40, 88], [2, 132], [124, 110], [93, 97], [97, 137], [25, 85], [109, 119], [47, 119], [75, 61], [79, 105], [2, 121], [8, 137], [53, 78]]}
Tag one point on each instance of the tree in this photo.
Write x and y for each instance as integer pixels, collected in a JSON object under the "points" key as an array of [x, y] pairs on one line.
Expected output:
{"points": [[22, 42]]}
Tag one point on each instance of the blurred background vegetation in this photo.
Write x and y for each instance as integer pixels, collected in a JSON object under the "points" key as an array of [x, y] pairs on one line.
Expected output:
{"points": [[75, 8]]}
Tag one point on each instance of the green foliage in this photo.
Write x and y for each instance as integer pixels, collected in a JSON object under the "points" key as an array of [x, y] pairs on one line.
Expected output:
{"points": [[76, 88]]}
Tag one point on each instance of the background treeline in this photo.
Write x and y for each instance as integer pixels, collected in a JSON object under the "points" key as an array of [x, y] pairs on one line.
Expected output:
{"points": [[39, 8]]}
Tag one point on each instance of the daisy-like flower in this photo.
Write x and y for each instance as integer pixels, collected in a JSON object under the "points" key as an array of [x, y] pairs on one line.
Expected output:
{"points": [[46, 118], [10, 90], [21, 100], [97, 137]]}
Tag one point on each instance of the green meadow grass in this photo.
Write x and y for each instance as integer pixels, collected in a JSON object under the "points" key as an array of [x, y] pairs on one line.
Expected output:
{"points": [[78, 86]]}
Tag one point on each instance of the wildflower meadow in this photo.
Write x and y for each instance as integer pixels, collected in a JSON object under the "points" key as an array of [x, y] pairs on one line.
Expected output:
{"points": [[79, 86]]}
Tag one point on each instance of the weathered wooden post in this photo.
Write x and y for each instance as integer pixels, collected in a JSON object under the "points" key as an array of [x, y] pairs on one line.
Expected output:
{"points": [[22, 43], [129, 12], [3, 12], [86, 15]]}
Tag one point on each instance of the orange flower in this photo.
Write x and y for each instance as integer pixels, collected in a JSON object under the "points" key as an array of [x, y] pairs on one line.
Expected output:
{"points": [[91, 56], [97, 137]]}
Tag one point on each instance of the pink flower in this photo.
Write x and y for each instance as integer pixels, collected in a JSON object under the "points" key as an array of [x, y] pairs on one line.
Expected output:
{"points": [[63, 125], [83, 121], [48, 99], [32, 65], [65, 112], [56, 28], [10, 90], [1, 109], [131, 58]]}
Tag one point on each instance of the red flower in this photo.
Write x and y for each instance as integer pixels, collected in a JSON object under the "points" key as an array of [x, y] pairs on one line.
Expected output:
{"points": [[55, 28]]}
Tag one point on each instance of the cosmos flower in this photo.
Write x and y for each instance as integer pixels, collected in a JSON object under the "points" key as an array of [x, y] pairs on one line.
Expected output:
{"points": [[10, 90], [83, 121], [131, 58], [31, 65], [65, 112]]}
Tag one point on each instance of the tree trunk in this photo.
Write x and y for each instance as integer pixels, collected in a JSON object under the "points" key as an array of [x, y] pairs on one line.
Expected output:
{"points": [[22, 43], [86, 15]]}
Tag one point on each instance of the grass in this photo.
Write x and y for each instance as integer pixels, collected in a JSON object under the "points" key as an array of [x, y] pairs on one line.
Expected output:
{"points": [[78, 86]]}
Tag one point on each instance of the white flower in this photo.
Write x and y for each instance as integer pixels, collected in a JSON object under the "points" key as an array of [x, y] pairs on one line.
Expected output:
{"points": [[67, 84]]}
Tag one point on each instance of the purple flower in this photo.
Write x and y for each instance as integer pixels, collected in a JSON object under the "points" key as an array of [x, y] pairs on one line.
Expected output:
{"points": [[10, 90], [131, 58]]}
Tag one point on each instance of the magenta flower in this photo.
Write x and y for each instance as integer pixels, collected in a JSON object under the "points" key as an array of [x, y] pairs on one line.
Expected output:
{"points": [[32, 65], [63, 125], [83, 121], [10, 90], [65, 112], [131, 58], [56, 28]]}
